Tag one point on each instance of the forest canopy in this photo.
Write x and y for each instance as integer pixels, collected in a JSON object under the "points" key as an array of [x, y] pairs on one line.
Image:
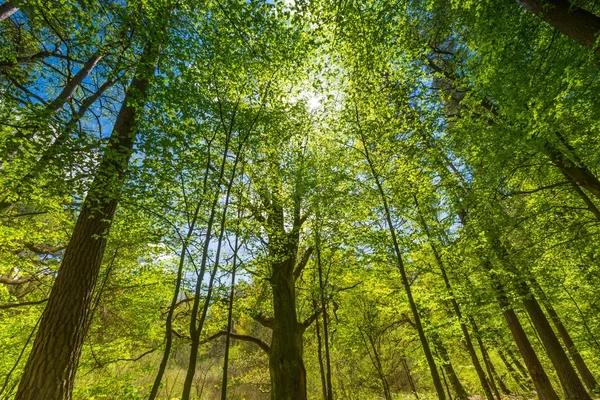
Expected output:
{"points": [[299, 199]]}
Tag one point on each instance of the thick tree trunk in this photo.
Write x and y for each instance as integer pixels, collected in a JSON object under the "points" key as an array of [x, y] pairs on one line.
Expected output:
{"points": [[286, 366], [582, 368], [52, 364], [575, 172], [577, 23], [6, 10]]}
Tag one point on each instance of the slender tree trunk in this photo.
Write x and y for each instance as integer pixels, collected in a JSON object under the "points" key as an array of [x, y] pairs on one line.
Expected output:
{"points": [[584, 371], [229, 319], [169, 321], [6, 10], [456, 307], [52, 364], [411, 381], [376, 360], [518, 378], [493, 372], [320, 355], [486, 361], [442, 352], [542, 384], [329, 395], [195, 324], [437, 382], [577, 23]]}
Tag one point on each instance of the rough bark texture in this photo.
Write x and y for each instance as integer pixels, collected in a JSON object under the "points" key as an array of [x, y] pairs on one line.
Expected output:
{"points": [[577, 23], [52, 364], [6, 10], [286, 366]]}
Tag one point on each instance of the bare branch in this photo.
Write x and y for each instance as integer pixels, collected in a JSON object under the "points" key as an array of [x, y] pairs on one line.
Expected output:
{"points": [[302, 262]]}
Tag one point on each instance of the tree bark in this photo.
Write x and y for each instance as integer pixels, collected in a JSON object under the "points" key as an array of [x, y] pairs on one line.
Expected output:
{"points": [[542, 384], [582, 368], [286, 366], [442, 352], [435, 376], [577, 23], [7, 9], [456, 307], [52, 364]]}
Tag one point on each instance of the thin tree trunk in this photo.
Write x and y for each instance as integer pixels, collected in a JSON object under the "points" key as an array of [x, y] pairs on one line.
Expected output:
{"points": [[376, 360], [518, 378], [320, 355], [229, 319], [584, 371], [542, 384], [169, 321], [195, 325], [486, 361], [442, 352], [52, 364], [577, 23], [456, 307], [7, 9], [329, 395], [411, 381], [437, 382]]}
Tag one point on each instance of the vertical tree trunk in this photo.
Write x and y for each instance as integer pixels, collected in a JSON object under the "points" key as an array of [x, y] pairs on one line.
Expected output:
{"points": [[6, 10], [580, 364], [456, 307], [542, 384], [286, 366], [229, 319], [320, 355], [435, 376], [52, 364], [329, 395], [577, 23], [442, 352]]}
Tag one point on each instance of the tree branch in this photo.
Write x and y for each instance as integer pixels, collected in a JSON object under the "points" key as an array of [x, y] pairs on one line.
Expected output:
{"points": [[25, 303], [302, 263], [246, 338]]}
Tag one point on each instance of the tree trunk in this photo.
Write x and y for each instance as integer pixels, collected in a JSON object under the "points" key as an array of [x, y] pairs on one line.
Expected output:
{"points": [[580, 364], [456, 307], [542, 384], [570, 382], [320, 355], [442, 352], [6, 10], [486, 358], [435, 376], [577, 23], [329, 394], [52, 364], [286, 367], [513, 372], [229, 319], [411, 381]]}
